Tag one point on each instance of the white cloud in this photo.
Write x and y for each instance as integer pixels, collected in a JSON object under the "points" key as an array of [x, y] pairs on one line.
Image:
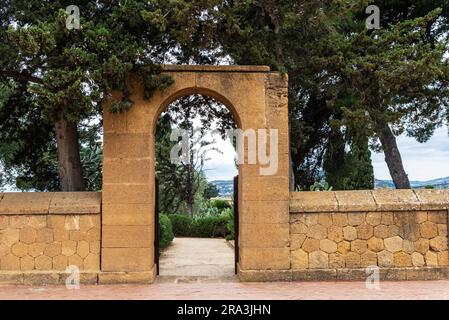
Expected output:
{"points": [[422, 161]]}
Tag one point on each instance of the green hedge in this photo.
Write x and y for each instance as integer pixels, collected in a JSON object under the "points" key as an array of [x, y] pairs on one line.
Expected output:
{"points": [[210, 227], [182, 225], [165, 231], [202, 227]]}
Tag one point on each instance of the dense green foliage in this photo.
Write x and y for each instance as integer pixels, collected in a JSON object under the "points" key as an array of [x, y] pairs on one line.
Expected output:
{"points": [[351, 90], [208, 226], [54, 74], [165, 231], [395, 77], [183, 185], [211, 191], [182, 225]]}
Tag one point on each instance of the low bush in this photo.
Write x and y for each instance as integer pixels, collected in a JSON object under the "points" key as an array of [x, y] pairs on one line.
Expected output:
{"points": [[210, 227], [230, 224], [220, 204], [203, 226], [165, 231], [181, 224]]}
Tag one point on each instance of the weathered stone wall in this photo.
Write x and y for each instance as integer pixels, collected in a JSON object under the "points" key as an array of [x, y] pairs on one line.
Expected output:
{"points": [[336, 235], [41, 234]]}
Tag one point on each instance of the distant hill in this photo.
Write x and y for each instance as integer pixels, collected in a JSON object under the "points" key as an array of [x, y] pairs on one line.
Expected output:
{"points": [[226, 187], [439, 183]]}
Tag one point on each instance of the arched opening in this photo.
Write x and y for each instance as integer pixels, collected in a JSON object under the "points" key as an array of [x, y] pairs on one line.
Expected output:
{"points": [[195, 166]]}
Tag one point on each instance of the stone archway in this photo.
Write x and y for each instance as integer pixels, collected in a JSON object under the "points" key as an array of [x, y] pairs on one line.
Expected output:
{"points": [[257, 99]]}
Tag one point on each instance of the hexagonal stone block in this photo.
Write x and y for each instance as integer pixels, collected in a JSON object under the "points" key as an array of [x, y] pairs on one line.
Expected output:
{"points": [[60, 262], [381, 231], [387, 218], [393, 231], [364, 231], [375, 244], [68, 247], [431, 259], [359, 246], [18, 221], [422, 245], [19, 249], [335, 233], [76, 260], [27, 235], [310, 219], [373, 218], [428, 230], [340, 219], [418, 259], [393, 244], [43, 263], [299, 259], [82, 249], [421, 216], [53, 249], [27, 263], [94, 246], [296, 241], [9, 236], [438, 243], [328, 246], [349, 233], [36, 249], [325, 219], [385, 259], [92, 262], [311, 245], [298, 227], [355, 219], [408, 246], [317, 232], [336, 260], [44, 235], [352, 260], [402, 259], [37, 222], [344, 247], [318, 260], [368, 258]]}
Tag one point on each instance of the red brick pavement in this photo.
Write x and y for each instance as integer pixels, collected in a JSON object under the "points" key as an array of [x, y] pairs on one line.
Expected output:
{"points": [[235, 290]]}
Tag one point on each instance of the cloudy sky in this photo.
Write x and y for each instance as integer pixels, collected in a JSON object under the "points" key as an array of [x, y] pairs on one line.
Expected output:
{"points": [[422, 161]]}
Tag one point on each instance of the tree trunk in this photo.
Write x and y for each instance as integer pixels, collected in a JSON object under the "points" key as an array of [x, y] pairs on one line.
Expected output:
{"points": [[190, 209], [70, 169], [393, 157]]}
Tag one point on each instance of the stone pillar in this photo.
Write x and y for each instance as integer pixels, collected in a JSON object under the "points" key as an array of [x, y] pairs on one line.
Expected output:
{"points": [[127, 253], [264, 200]]}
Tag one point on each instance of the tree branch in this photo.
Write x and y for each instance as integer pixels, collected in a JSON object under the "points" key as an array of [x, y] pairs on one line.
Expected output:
{"points": [[22, 77]]}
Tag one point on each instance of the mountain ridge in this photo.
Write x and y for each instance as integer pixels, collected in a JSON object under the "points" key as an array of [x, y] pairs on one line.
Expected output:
{"points": [[226, 187]]}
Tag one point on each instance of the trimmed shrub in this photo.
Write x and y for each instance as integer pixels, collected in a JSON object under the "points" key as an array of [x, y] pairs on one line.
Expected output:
{"points": [[165, 231], [210, 227], [181, 224]]}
